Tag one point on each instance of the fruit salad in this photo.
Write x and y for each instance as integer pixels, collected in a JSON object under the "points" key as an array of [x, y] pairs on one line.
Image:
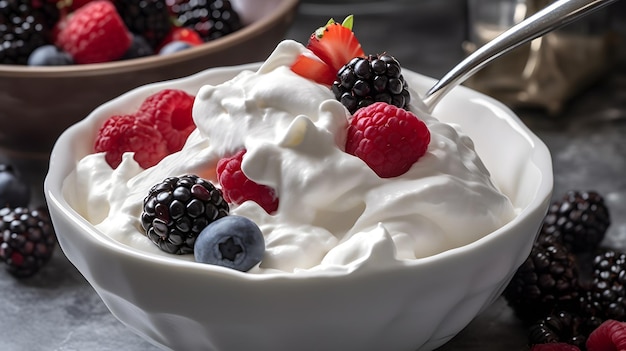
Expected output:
{"points": [[64, 32], [281, 170]]}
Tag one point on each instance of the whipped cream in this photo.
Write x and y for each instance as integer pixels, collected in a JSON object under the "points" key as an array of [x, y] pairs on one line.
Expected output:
{"points": [[335, 213]]}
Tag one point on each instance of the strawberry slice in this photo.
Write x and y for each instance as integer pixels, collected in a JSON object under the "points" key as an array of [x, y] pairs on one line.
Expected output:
{"points": [[314, 69], [335, 45]]}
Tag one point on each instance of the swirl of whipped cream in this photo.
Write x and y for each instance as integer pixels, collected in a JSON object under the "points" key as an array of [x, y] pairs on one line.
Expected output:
{"points": [[335, 213]]}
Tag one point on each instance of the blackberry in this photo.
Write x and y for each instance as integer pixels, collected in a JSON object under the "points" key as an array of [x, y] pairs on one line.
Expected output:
{"points": [[178, 209], [27, 240], [212, 19], [23, 28], [559, 327], [580, 220], [147, 18], [365, 80], [546, 281], [139, 47], [605, 296], [47, 10]]}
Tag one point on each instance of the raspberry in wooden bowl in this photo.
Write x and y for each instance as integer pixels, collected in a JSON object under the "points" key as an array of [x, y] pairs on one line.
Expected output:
{"points": [[321, 247], [39, 102]]}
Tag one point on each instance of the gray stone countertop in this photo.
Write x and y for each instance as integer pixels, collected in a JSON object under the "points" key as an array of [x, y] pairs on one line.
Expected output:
{"points": [[58, 310]]}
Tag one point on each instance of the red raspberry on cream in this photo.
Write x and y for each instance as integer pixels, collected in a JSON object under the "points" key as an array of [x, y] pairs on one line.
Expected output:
{"points": [[238, 188], [126, 133], [169, 110], [389, 139]]}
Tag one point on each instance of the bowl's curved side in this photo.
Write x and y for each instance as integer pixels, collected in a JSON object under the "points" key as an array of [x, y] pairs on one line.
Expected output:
{"points": [[187, 306]]}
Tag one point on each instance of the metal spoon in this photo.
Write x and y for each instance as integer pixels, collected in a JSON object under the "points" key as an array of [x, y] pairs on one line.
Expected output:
{"points": [[551, 17]]}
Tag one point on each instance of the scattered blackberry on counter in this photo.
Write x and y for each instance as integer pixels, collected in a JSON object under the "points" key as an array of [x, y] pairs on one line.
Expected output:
{"points": [[580, 220], [148, 18], [178, 209], [560, 327], [27, 240], [605, 296], [14, 192], [365, 80], [23, 28], [548, 279], [212, 19], [574, 227]]}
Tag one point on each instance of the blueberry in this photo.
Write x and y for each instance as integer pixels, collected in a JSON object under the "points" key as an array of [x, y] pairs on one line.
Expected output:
{"points": [[139, 47], [49, 55], [174, 46], [232, 241], [14, 192]]}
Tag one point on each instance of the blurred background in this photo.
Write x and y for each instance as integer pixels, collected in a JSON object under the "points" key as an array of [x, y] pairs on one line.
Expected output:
{"points": [[430, 37]]}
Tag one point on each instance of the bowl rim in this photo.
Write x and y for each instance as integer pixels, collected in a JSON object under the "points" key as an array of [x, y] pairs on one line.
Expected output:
{"points": [[539, 156], [152, 61]]}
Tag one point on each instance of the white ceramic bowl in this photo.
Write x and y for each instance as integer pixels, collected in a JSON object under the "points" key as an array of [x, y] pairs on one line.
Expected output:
{"points": [[182, 305]]}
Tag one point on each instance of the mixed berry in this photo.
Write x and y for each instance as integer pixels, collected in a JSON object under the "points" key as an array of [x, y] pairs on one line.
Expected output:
{"points": [[63, 32], [571, 291], [188, 214], [383, 132]]}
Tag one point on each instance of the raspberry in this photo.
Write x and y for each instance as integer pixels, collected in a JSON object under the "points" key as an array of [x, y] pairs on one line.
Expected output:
{"points": [[178, 209], [560, 346], [609, 336], [389, 139], [238, 188], [170, 111], [27, 240], [126, 133], [94, 33]]}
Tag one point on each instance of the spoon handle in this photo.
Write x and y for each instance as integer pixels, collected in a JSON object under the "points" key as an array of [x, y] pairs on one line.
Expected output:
{"points": [[551, 17]]}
